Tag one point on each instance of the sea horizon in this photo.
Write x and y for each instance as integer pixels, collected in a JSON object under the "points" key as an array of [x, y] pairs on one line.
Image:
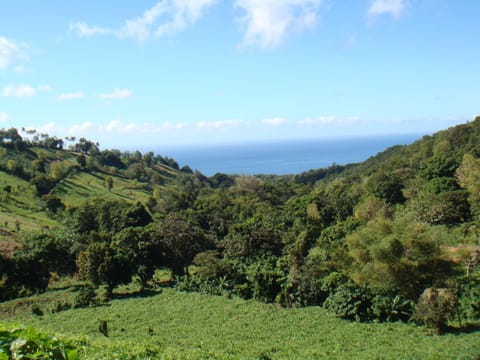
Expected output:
{"points": [[279, 157]]}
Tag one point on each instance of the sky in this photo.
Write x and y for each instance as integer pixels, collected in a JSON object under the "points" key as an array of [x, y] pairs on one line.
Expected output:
{"points": [[132, 73]]}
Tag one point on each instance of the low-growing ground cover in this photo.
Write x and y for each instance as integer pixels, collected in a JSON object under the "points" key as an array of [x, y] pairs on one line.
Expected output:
{"points": [[28, 343], [176, 325]]}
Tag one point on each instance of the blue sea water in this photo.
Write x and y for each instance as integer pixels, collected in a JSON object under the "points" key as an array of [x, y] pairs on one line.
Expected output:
{"points": [[280, 157]]}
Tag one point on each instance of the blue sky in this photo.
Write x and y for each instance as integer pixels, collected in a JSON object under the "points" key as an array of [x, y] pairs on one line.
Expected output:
{"points": [[129, 73]]}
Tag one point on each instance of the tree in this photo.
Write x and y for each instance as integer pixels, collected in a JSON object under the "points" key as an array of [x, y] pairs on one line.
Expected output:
{"points": [[386, 187], [53, 203], [109, 183], [82, 160], [11, 139], [52, 143], [398, 255], [104, 264], [58, 170], [86, 147], [146, 252], [254, 237], [447, 208], [107, 216], [468, 175], [181, 240], [43, 184]]}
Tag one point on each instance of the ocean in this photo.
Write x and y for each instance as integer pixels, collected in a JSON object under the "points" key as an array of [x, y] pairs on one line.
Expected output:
{"points": [[280, 157]]}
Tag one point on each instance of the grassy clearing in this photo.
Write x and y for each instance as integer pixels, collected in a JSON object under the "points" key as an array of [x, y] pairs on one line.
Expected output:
{"points": [[21, 206], [81, 186], [177, 325]]}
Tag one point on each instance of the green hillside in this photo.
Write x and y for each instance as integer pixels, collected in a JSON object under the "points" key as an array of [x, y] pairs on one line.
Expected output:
{"points": [[74, 176], [394, 239]]}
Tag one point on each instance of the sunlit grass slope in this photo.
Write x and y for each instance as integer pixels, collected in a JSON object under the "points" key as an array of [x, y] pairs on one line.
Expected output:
{"points": [[175, 325], [21, 208]]}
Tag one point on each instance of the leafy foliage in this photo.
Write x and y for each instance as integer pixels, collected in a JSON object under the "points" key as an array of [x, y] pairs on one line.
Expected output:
{"points": [[435, 307], [27, 343]]}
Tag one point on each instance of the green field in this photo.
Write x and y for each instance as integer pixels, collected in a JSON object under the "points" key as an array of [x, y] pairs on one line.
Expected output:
{"points": [[176, 325]]}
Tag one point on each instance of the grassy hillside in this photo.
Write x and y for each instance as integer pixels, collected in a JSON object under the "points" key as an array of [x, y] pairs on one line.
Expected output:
{"points": [[23, 208], [176, 325]]}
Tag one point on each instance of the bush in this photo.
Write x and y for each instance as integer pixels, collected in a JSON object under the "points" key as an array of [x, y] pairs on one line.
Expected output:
{"points": [[36, 309], [85, 297], [389, 309], [196, 283], [265, 279], [435, 307], [26, 343], [103, 294], [468, 293], [350, 302], [59, 306]]}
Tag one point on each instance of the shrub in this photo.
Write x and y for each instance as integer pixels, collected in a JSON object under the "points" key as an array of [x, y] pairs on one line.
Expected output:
{"points": [[59, 306], [389, 309], [468, 293], [103, 294], [199, 284], [350, 302], [265, 279], [85, 297], [36, 309], [435, 307], [27, 343]]}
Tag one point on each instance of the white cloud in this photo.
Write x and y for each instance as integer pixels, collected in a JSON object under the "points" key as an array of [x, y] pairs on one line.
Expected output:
{"points": [[267, 22], [71, 96], [24, 91], [3, 117], [48, 128], [9, 52], [325, 120], [80, 129], [141, 27], [220, 124], [273, 121], [112, 126], [20, 91], [394, 8], [118, 127], [166, 16], [83, 30], [183, 13], [117, 94]]}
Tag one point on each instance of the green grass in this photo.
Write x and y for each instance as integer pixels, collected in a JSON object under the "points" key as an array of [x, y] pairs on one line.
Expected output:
{"points": [[175, 325], [21, 205], [22, 208], [75, 189]]}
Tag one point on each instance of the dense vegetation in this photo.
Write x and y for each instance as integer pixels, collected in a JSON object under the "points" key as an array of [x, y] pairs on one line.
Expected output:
{"points": [[27, 343], [394, 238]]}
